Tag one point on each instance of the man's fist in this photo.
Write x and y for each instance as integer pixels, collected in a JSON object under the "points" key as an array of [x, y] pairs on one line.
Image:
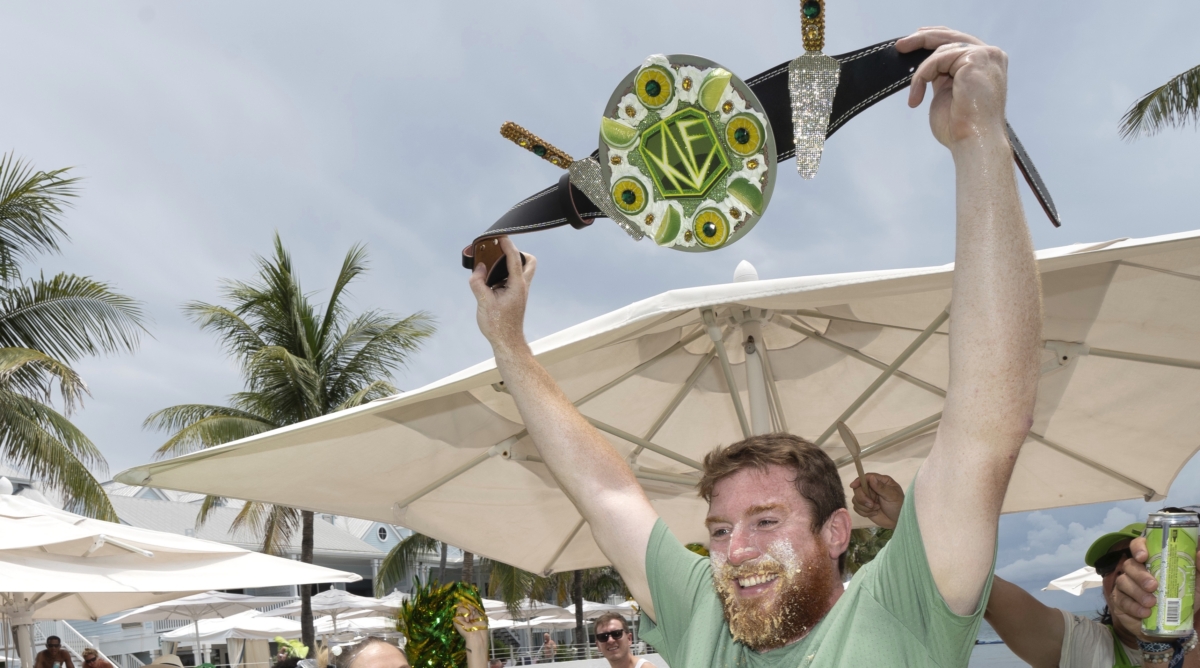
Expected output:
{"points": [[970, 83], [500, 312], [879, 501]]}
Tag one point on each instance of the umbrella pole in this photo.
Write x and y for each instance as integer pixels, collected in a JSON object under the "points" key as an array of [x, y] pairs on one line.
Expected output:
{"points": [[196, 623]]}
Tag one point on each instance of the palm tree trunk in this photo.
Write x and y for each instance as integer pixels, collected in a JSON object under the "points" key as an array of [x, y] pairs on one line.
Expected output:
{"points": [[577, 594], [442, 565], [307, 632], [468, 574]]}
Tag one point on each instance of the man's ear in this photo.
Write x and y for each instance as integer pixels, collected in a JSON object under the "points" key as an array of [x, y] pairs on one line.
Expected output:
{"points": [[836, 532]]}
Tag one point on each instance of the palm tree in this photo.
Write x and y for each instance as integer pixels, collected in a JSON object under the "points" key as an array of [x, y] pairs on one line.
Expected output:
{"points": [[298, 361], [865, 544], [45, 325], [1171, 104]]}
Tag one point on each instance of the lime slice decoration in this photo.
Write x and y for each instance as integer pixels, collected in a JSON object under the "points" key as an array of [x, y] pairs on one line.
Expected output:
{"points": [[629, 195], [744, 134], [616, 134], [668, 229], [713, 88], [654, 86], [747, 194]]}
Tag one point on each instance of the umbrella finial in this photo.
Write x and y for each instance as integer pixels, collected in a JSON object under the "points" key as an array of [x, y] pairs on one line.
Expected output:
{"points": [[6, 486], [745, 272]]}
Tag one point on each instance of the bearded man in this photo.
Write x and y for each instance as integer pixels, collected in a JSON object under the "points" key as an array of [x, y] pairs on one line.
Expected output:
{"points": [[770, 593]]}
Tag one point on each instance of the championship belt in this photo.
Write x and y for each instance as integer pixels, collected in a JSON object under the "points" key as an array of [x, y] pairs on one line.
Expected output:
{"points": [[688, 152]]}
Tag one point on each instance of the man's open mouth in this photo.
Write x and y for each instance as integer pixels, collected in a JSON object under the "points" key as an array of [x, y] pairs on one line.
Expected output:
{"points": [[756, 580]]}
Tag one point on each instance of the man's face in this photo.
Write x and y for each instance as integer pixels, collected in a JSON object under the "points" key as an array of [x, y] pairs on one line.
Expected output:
{"points": [[1110, 576], [613, 649], [380, 655], [774, 575], [54, 646]]}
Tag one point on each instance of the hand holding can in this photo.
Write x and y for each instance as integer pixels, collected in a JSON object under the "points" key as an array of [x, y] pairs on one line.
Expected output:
{"points": [[1171, 559]]}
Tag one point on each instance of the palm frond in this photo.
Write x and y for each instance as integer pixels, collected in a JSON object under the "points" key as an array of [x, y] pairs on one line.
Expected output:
{"points": [[68, 317], [30, 205], [274, 524], [353, 266], [207, 506], [238, 337], [511, 584], [40, 441], [199, 426], [402, 559], [31, 372], [376, 390], [1173, 104], [373, 346]]}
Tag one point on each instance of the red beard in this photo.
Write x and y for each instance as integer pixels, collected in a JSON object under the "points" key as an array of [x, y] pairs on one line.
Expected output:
{"points": [[801, 599]]}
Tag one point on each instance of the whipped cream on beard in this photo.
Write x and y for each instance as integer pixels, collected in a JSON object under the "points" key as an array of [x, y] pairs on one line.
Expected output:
{"points": [[799, 600]]}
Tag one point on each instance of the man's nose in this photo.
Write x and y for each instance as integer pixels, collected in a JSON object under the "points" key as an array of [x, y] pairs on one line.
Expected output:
{"points": [[742, 548]]}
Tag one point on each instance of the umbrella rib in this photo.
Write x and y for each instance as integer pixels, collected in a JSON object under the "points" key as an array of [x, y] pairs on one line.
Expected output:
{"points": [[548, 571], [1147, 492], [641, 367], [718, 339], [678, 398], [1139, 357], [638, 440], [858, 355], [1159, 269], [825, 316], [887, 373], [497, 449], [892, 439], [776, 404]]}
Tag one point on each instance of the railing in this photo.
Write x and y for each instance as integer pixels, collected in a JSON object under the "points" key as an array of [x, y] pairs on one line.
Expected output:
{"points": [[73, 641], [126, 661], [521, 656]]}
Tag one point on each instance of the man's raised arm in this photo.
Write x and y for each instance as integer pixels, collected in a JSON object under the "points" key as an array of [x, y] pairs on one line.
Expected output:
{"points": [[995, 318], [586, 466]]}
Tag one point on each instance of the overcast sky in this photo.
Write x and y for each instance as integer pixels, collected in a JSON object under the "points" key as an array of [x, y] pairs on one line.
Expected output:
{"points": [[203, 128]]}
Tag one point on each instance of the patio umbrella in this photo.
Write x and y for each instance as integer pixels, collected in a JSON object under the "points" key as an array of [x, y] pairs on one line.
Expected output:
{"points": [[58, 565], [592, 610], [1076, 582], [669, 378], [208, 605], [526, 609], [335, 602]]}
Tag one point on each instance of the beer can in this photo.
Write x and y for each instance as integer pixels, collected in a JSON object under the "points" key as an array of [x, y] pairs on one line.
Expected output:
{"points": [[1171, 542]]}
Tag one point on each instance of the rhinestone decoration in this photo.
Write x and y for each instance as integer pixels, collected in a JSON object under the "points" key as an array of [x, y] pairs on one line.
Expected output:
{"points": [[616, 160], [534, 144], [752, 164], [812, 83], [727, 107], [649, 219], [687, 83], [735, 212], [585, 175], [630, 111]]}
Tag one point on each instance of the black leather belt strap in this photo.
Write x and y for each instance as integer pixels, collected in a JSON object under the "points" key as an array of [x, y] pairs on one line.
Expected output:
{"points": [[868, 75]]}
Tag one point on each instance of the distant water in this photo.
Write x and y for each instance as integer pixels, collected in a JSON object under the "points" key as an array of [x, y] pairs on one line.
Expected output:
{"points": [[992, 653]]}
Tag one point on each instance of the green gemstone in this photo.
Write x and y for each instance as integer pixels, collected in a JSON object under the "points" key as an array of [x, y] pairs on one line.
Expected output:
{"points": [[741, 136], [629, 197], [811, 9], [539, 150], [653, 88], [709, 230]]}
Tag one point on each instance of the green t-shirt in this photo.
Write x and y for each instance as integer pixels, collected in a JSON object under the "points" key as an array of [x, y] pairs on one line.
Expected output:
{"points": [[890, 615]]}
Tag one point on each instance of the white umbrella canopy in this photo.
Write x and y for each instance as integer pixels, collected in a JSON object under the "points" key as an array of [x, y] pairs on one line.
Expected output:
{"points": [[249, 625], [208, 605], [592, 610], [1076, 582], [1116, 415], [528, 609], [58, 565], [335, 602]]}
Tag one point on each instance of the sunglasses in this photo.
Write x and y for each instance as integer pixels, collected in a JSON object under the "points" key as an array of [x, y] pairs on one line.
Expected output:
{"points": [[615, 635], [1109, 562]]}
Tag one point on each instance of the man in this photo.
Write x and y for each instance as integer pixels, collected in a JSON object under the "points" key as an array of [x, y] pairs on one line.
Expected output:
{"points": [[615, 642], [1042, 636], [91, 659], [770, 594], [496, 663], [549, 648], [54, 656]]}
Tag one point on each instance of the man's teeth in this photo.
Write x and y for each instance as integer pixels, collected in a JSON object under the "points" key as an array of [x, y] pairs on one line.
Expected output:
{"points": [[756, 580]]}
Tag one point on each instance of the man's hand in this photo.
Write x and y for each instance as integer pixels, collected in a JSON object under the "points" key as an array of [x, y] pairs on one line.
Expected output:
{"points": [[1133, 592], [501, 311], [969, 80], [880, 501]]}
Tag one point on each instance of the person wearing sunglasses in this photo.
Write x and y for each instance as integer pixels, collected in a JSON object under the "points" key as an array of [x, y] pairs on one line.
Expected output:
{"points": [[615, 642], [1042, 636], [92, 659], [54, 656]]}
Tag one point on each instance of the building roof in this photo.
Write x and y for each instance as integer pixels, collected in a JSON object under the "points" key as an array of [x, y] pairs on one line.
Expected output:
{"points": [[115, 488], [180, 518]]}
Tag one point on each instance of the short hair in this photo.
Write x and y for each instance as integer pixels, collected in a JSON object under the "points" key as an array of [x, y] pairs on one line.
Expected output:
{"points": [[611, 616], [49, 638], [349, 653], [817, 477], [89, 650]]}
